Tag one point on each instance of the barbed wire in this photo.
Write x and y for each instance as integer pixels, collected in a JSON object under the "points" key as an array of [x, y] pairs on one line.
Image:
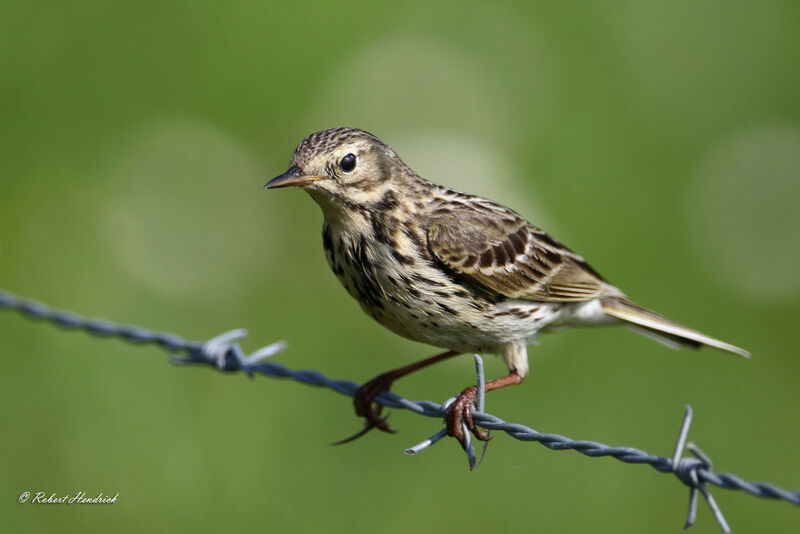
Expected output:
{"points": [[224, 353]]}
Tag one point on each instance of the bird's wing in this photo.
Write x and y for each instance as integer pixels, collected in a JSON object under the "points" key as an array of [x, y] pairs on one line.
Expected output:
{"points": [[497, 250]]}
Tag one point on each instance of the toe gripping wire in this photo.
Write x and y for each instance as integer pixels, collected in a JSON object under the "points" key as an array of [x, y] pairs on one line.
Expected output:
{"points": [[480, 404], [225, 354]]}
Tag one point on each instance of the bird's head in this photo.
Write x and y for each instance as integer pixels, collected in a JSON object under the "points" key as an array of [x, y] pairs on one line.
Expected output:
{"points": [[342, 166]]}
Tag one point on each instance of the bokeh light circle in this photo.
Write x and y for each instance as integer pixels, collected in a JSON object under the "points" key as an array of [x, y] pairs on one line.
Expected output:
{"points": [[744, 209], [471, 166], [438, 107], [187, 215], [409, 82]]}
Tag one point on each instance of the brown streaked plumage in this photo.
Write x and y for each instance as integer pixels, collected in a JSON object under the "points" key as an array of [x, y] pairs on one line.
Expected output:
{"points": [[451, 269]]}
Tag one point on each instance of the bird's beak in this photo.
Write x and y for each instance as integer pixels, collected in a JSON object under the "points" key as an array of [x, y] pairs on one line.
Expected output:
{"points": [[291, 177]]}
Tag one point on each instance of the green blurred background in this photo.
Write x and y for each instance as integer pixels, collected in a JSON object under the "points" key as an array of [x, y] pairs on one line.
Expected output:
{"points": [[661, 140]]}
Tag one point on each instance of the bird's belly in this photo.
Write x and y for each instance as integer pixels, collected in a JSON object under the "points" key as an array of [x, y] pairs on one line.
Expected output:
{"points": [[414, 298], [455, 324], [429, 308]]}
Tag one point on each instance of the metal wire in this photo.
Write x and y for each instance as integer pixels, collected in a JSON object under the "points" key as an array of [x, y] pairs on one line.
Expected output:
{"points": [[224, 353]]}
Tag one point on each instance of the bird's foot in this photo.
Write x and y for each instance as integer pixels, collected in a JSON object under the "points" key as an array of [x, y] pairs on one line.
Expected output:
{"points": [[460, 410], [366, 407]]}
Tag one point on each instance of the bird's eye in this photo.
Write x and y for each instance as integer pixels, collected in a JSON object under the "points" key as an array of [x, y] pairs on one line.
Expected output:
{"points": [[348, 163]]}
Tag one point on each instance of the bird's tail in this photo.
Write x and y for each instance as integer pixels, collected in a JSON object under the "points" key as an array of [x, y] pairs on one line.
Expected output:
{"points": [[661, 329]]}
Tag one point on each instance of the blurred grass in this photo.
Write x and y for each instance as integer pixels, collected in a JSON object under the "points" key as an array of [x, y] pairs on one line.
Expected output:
{"points": [[135, 140]]}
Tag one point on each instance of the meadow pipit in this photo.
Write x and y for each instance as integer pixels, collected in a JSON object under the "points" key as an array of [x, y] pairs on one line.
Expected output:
{"points": [[450, 269]]}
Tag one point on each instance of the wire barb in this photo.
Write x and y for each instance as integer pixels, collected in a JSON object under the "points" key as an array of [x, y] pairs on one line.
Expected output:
{"points": [[480, 402], [227, 355], [224, 353], [687, 469]]}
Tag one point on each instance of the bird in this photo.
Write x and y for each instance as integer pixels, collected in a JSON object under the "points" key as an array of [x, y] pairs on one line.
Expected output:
{"points": [[452, 270]]}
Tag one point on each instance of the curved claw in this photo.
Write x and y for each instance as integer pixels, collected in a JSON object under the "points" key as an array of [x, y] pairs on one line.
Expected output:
{"points": [[364, 402], [368, 425], [461, 410]]}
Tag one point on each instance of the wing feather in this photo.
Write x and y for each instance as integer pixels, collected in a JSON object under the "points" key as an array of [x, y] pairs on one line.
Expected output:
{"points": [[499, 251]]}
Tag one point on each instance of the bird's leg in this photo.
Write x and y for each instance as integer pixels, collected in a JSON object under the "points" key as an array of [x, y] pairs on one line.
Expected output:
{"points": [[364, 398], [461, 409]]}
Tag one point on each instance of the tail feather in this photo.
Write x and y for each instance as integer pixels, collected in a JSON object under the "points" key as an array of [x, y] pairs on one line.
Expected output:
{"points": [[669, 340], [662, 329]]}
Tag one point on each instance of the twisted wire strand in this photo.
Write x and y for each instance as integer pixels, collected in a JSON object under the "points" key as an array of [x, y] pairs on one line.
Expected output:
{"points": [[225, 354]]}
